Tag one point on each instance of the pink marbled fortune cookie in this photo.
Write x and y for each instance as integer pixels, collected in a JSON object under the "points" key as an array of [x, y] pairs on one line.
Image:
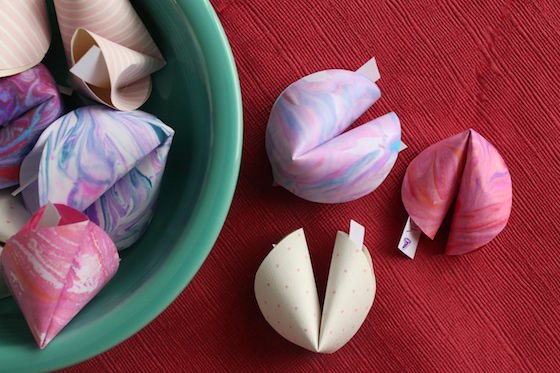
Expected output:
{"points": [[311, 150], [54, 271], [465, 169]]}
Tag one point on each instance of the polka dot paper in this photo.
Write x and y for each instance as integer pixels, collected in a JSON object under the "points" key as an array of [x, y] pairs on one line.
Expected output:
{"points": [[287, 295]]}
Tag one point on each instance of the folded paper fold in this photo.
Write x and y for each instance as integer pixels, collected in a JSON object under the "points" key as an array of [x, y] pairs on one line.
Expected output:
{"points": [[127, 49], [311, 154], [467, 171], [286, 293], [103, 162], [29, 102], [55, 268], [24, 35]]}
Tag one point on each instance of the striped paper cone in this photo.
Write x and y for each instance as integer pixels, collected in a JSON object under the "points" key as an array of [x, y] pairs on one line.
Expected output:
{"points": [[24, 35], [127, 49]]}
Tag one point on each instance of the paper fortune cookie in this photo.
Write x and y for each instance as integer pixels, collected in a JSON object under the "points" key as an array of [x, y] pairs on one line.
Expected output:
{"points": [[55, 265], [103, 162], [287, 295], [468, 171], [312, 156], [24, 35], [109, 49], [29, 102]]}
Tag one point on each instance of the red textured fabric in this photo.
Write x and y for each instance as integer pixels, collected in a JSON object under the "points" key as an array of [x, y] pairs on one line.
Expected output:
{"points": [[446, 65]]}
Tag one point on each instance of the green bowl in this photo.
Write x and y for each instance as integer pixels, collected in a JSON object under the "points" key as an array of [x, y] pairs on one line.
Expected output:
{"points": [[198, 94]]}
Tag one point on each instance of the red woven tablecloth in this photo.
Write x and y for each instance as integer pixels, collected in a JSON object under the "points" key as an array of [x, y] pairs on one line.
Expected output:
{"points": [[446, 65]]}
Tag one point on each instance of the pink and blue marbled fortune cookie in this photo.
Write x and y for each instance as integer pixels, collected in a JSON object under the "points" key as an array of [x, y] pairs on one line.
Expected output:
{"points": [[467, 170], [103, 162], [29, 102], [312, 156], [54, 271]]}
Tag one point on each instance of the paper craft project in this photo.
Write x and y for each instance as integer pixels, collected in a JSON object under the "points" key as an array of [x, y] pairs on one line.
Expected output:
{"points": [[109, 50], [467, 170], [287, 295], [55, 265], [24, 35], [29, 102], [103, 162], [312, 156]]}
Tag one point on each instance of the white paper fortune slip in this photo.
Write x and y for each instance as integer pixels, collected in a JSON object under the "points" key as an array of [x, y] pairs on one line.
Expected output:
{"points": [[287, 295], [410, 238], [92, 68]]}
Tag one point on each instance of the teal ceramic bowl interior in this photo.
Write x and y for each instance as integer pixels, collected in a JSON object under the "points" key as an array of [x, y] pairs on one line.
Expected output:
{"points": [[197, 93]]}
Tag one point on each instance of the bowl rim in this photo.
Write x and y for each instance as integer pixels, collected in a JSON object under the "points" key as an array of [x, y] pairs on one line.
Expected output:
{"points": [[225, 158]]}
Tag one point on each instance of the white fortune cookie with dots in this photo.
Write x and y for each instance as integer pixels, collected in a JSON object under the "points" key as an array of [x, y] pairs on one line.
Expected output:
{"points": [[287, 295]]}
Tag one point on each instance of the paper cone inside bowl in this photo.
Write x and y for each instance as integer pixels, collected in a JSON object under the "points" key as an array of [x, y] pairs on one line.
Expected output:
{"points": [[25, 35], [127, 48], [122, 80]]}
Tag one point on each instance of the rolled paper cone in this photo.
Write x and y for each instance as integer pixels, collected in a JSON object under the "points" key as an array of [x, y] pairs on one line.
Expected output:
{"points": [[128, 71], [115, 20], [128, 50], [24, 35]]}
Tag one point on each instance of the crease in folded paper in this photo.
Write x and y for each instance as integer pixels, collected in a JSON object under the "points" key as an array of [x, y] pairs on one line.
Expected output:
{"points": [[287, 295], [465, 176]]}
